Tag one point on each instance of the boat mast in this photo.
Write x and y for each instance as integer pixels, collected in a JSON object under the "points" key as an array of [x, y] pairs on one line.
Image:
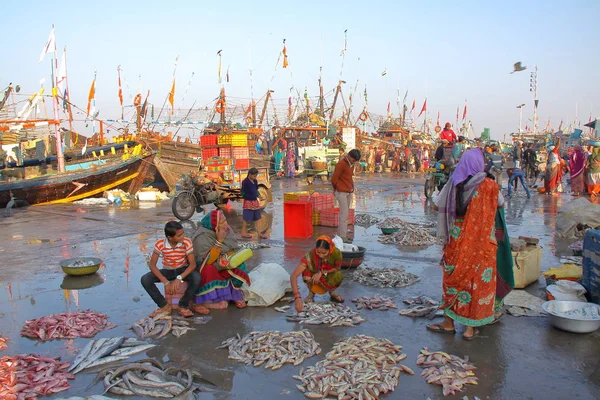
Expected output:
{"points": [[59, 151], [264, 110], [534, 88]]}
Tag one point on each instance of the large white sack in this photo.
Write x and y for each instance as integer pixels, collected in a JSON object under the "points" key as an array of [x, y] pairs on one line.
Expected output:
{"points": [[269, 283]]}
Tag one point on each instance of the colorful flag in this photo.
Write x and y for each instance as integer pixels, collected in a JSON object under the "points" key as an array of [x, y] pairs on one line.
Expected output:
{"points": [[384, 72], [413, 106], [438, 120], [290, 101], [172, 97], [365, 94], [547, 125], [527, 128], [219, 66], [305, 94], [560, 125], [389, 108], [457, 111], [61, 76], [249, 109], [120, 89], [145, 106], [424, 108], [285, 57], [50, 45], [465, 112], [227, 75], [91, 96], [405, 96]]}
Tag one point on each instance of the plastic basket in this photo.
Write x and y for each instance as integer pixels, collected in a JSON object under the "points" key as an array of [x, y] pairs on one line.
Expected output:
{"points": [[239, 139], [240, 152], [331, 217], [297, 217], [294, 196], [225, 152], [323, 201], [243, 163], [224, 139], [208, 140], [316, 217], [209, 153]]}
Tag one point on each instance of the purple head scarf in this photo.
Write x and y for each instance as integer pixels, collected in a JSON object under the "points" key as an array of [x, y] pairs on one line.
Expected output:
{"points": [[471, 164]]}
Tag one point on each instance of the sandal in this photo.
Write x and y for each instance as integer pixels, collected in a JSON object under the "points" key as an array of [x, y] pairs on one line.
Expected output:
{"points": [[247, 236], [185, 312], [438, 328], [336, 298], [241, 304], [476, 333], [200, 309], [496, 319], [310, 298]]}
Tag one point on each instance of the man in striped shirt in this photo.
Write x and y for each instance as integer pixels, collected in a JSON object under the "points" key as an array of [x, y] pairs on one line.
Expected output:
{"points": [[179, 265]]}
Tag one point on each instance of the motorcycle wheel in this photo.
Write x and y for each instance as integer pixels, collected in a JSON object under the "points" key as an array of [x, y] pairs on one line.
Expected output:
{"points": [[429, 187], [184, 206], [263, 192]]}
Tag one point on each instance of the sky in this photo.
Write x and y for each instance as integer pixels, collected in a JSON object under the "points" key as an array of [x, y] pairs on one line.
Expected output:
{"points": [[452, 53]]}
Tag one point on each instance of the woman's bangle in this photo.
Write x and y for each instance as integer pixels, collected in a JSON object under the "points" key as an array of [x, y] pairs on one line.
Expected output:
{"points": [[297, 295]]}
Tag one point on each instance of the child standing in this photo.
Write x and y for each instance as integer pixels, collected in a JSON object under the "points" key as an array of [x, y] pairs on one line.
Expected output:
{"points": [[179, 265], [252, 209]]}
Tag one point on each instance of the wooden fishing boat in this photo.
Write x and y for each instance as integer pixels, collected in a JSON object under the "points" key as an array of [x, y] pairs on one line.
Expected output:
{"points": [[91, 180]]}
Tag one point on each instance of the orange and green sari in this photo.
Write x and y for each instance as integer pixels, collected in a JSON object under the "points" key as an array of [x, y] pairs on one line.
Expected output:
{"points": [[469, 280]]}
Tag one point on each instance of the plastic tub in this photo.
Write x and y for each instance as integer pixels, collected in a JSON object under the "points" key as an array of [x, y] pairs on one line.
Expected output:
{"points": [[557, 314]]}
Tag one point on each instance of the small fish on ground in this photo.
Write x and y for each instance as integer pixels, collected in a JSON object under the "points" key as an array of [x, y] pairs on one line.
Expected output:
{"points": [[447, 370], [3, 344], [282, 309], [384, 277], [160, 325], [365, 220], [420, 306], [66, 326], [326, 313], [381, 303]]}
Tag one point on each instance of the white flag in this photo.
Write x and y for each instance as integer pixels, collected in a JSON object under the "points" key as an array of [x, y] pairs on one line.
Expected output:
{"points": [[49, 47], [61, 77]]}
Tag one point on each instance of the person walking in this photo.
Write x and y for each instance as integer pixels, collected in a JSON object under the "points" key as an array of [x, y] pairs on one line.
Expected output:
{"points": [[530, 158], [342, 182], [517, 154]]}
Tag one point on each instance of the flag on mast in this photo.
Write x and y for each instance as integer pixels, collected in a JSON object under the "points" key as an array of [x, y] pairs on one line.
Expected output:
{"points": [[560, 125], [91, 96], [50, 45], [172, 97], [465, 112], [413, 106], [424, 108], [61, 76], [457, 111], [384, 73], [120, 88], [285, 57], [438, 119], [389, 108]]}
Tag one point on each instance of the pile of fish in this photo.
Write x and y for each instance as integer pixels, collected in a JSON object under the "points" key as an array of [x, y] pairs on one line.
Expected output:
{"points": [[105, 351], [160, 325], [29, 376], [273, 348], [381, 303], [81, 263], [67, 326], [384, 277], [326, 313], [365, 220], [3, 344], [360, 367], [410, 235], [419, 306], [149, 378], [253, 245], [450, 371]]}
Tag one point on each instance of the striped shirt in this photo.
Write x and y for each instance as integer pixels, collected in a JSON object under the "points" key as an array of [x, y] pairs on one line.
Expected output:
{"points": [[174, 257]]}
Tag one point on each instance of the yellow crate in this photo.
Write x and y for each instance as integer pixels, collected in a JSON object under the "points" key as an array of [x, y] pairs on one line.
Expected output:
{"points": [[239, 139], [294, 196], [316, 217], [224, 139]]}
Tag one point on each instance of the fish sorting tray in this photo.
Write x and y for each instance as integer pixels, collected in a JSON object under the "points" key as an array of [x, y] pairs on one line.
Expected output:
{"points": [[80, 265], [352, 259]]}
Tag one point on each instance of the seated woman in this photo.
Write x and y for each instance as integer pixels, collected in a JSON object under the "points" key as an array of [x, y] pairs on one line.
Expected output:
{"points": [[213, 241], [320, 270]]}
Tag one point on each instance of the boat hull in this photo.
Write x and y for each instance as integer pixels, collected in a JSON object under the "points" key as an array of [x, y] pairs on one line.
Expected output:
{"points": [[127, 175]]}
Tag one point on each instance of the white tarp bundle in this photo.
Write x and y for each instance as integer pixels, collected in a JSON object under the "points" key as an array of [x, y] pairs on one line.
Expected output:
{"points": [[576, 217], [269, 283]]}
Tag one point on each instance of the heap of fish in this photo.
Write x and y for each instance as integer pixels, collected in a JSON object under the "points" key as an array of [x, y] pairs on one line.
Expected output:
{"points": [[3, 344], [360, 367], [253, 245], [450, 371], [66, 326], [409, 234], [160, 325], [29, 376], [384, 277], [365, 220], [273, 348], [381, 303], [149, 378], [326, 313], [419, 306], [105, 351]]}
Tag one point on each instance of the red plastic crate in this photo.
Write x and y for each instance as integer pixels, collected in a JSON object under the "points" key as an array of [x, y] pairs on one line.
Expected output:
{"points": [[209, 153], [242, 163], [240, 152], [297, 219], [331, 217], [208, 140], [323, 201], [225, 152]]}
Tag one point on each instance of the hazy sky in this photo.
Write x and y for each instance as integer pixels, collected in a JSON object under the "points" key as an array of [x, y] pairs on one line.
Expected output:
{"points": [[447, 51]]}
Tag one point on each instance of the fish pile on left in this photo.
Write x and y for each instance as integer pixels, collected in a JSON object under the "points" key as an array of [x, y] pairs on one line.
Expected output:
{"points": [[3, 344], [447, 370], [150, 378], [67, 326], [326, 313], [381, 303], [360, 367], [29, 376], [273, 347], [106, 351], [160, 325]]}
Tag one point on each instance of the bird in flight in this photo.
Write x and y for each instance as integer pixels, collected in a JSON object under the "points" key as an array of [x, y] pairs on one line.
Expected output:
{"points": [[518, 67]]}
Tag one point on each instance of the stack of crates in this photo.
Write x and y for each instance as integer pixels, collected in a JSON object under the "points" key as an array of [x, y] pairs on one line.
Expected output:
{"points": [[321, 202], [240, 151], [210, 153], [225, 152], [208, 140], [331, 217], [297, 208]]}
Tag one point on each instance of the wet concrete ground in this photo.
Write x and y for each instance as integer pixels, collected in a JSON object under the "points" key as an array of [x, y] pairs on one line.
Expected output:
{"points": [[519, 358]]}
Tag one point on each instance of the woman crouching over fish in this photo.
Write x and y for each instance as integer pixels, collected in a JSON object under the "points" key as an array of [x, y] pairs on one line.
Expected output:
{"points": [[320, 270], [220, 284], [467, 214]]}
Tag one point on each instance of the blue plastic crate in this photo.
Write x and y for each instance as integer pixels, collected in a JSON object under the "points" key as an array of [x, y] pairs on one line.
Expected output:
{"points": [[591, 265]]}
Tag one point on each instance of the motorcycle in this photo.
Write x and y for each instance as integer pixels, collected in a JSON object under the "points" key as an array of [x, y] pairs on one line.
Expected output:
{"points": [[437, 178]]}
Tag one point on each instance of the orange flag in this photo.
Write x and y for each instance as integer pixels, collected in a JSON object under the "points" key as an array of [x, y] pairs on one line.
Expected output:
{"points": [[285, 57], [91, 96], [424, 108], [172, 97]]}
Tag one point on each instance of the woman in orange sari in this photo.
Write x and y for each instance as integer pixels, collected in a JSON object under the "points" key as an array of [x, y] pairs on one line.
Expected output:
{"points": [[467, 212]]}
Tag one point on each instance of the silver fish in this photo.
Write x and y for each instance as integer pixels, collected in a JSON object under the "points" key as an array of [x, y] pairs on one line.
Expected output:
{"points": [[365, 220], [384, 277], [82, 355], [326, 313], [382, 303], [106, 360], [130, 351]]}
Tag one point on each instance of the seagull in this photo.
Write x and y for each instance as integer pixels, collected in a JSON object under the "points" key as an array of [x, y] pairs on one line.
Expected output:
{"points": [[518, 67], [10, 204]]}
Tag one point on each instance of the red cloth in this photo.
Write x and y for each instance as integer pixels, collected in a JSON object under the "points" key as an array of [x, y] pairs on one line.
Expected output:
{"points": [[449, 135]]}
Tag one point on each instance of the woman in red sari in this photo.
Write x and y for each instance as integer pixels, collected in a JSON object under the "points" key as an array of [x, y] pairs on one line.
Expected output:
{"points": [[467, 212], [553, 176]]}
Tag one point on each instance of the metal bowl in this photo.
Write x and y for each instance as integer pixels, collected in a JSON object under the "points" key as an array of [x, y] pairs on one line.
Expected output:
{"points": [[352, 259], [70, 269], [556, 310]]}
